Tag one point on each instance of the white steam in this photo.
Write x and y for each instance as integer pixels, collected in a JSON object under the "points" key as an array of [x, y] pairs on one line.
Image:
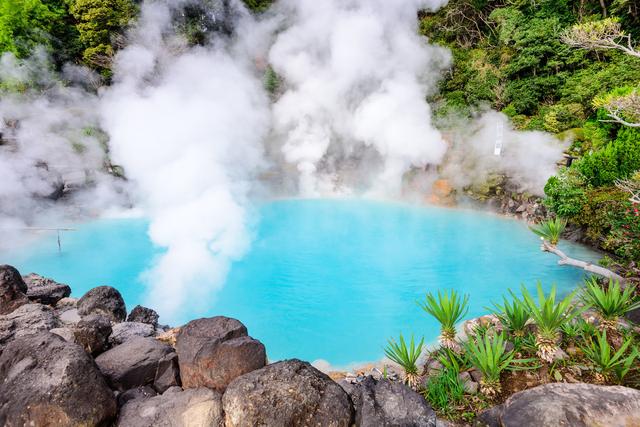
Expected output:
{"points": [[191, 142]]}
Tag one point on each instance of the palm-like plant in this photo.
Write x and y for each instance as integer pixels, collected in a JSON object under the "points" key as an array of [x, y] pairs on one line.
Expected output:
{"points": [[448, 308], [490, 357], [407, 357], [514, 314], [611, 302], [549, 317], [550, 230], [607, 361]]}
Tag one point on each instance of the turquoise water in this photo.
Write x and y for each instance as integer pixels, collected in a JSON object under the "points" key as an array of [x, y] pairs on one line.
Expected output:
{"points": [[327, 279]]}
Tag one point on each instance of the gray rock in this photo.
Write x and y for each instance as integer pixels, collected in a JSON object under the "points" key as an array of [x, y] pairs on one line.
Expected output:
{"points": [[214, 351], [168, 373], [143, 315], [45, 291], [66, 333], [562, 404], [136, 393], [386, 403], [92, 333], [48, 381], [287, 393], [103, 300], [26, 320], [127, 330], [66, 303], [133, 363], [12, 289], [198, 407], [70, 317]]}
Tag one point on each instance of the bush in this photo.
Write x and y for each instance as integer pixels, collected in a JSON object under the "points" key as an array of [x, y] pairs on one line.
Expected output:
{"points": [[565, 193]]}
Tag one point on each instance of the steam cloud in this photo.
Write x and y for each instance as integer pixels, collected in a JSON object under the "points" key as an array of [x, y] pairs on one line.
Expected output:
{"points": [[194, 128]]}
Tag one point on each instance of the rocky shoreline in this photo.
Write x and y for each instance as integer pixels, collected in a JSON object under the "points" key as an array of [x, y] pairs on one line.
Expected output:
{"points": [[73, 362]]}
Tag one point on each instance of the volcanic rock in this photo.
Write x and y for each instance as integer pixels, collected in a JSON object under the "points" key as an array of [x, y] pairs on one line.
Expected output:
{"points": [[127, 330], [103, 300], [26, 320], [214, 351], [136, 393], [12, 289], [143, 315], [45, 291], [175, 408], [287, 393], [133, 363], [48, 381], [168, 373], [562, 404], [92, 333]]}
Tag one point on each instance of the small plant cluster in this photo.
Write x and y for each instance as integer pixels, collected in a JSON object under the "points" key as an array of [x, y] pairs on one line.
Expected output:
{"points": [[531, 333]]}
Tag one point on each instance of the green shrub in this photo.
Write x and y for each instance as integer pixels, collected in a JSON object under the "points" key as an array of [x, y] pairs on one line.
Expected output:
{"points": [[448, 308], [607, 360], [617, 160], [550, 230], [611, 302], [490, 357], [565, 193], [514, 314], [406, 355]]}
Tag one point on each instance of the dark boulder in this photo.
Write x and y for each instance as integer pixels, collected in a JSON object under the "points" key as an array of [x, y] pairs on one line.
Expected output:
{"points": [[143, 315], [92, 333], [386, 403], [133, 363], [214, 351], [136, 393], [26, 320], [13, 290], [48, 381], [287, 393], [45, 291], [127, 330], [561, 404], [174, 408], [168, 373], [103, 300]]}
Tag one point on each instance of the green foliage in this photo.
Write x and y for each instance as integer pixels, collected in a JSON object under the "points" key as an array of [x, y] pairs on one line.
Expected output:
{"points": [[607, 360], [550, 230], [565, 193], [258, 6], [548, 315], [271, 80], [489, 356], [611, 302], [454, 361], [405, 355], [444, 390], [514, 314], [448, 308]]}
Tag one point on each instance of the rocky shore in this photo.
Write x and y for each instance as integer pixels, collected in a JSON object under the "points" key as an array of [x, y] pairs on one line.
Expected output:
{"points": [[88, 362]]}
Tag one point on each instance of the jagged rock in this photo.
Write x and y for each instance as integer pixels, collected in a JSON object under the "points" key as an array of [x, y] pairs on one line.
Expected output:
{"points": [[193, 407], [386, 403], [168, 373], [125, 331], [48, 381], [70, 317], [66, 303], [214, 351], [26, 320], [45, 291], [286, 393], [136, 393], [92, 333], [562, 404], [103, 300], [66, 333], [143, 315], [133, 363], [13, 290]]}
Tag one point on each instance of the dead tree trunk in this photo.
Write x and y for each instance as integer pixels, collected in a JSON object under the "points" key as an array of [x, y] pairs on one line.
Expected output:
{"points": [[586, 266]]}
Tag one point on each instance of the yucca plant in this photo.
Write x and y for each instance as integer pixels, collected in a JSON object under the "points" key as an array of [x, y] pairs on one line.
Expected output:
{"points": [[448, 308], [607, 360], [550, 230], [490, 357], [549, 316], [454, 361], [611, 302], [407, 357], [514, 314]]}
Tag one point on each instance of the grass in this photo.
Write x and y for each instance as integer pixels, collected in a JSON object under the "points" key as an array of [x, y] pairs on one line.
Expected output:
{"points": [[549, 316], [550, 230], [444, 391], [448, 308], [406, 355], [611, 302]]}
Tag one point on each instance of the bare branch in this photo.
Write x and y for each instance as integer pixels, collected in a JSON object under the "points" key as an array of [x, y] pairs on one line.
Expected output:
{"points": [[606, 34], [586, 266], [630, 186]]}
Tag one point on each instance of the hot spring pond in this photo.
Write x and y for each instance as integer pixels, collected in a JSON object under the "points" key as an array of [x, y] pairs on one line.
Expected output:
{"points": [[327, 279]]}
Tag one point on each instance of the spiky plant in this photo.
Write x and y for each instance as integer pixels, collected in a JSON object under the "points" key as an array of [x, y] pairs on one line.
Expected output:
{"points": [[406, 356], [490, 357], [444, 391], [611, 302], [550, 230], [514, 315], [607, 360], [549, 317], [448, 308]]}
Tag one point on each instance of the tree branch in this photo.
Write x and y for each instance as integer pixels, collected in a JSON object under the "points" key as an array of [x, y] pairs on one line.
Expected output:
{"points": [[586, 266]]}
